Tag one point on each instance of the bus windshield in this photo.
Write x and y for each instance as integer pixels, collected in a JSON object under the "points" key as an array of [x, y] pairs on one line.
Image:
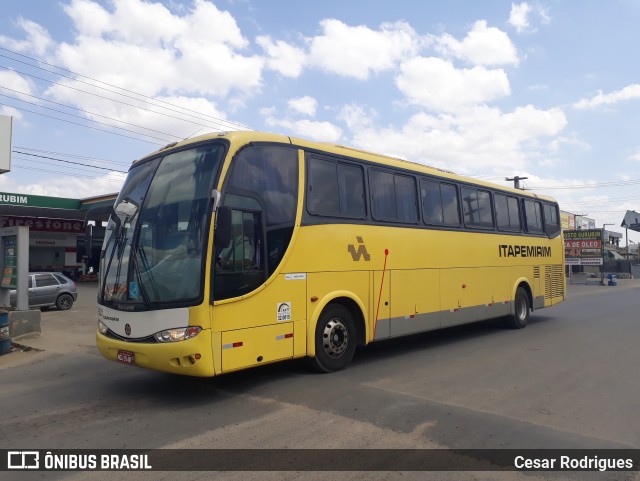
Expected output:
{"points": [[155, 246]]}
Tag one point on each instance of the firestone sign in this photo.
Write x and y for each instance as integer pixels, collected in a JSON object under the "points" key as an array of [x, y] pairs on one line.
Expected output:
{"points": [[583, 247], [44, 225]]}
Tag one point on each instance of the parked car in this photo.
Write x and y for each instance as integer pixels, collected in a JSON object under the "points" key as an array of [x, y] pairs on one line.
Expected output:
{"points": [[48, 289]]}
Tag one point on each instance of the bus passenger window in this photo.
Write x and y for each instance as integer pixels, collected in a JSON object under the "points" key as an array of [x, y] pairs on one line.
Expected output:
{"points": [[476, 204], [533, 216], [336, 189], [507, 212], [551, 221], [393, 197], [324, 198], [439, 203]]}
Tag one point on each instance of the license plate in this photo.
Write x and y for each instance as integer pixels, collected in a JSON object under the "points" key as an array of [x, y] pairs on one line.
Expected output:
{"points": [[126, 357]]}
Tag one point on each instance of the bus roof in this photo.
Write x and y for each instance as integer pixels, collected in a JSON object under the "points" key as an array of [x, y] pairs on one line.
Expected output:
{"points": [[241, 137]]}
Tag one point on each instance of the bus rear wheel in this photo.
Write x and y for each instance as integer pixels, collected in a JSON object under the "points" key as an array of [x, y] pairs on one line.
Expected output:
{"points": [[521, 310], [335, 339]]}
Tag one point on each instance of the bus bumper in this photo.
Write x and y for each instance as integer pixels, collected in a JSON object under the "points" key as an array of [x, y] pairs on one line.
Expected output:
{"points": [[192, 357]]}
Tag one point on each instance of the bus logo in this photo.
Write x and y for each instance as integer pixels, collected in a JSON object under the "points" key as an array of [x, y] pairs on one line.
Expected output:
{"points": [[361, 252], [23, 459]]}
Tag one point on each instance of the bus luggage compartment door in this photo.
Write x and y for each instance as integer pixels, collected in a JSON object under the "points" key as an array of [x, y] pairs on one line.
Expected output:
{"points": [[257, 345]]}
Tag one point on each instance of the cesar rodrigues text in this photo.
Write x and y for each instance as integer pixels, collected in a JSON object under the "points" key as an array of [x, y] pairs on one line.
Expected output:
{"points": [[570, 463]]}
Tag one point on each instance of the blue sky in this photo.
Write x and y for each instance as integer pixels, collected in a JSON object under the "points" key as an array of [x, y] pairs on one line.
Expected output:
{"points": [[546, 90]]}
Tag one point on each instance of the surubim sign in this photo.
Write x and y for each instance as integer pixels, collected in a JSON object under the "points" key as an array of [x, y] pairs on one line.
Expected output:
{"points": [[583, 247]]}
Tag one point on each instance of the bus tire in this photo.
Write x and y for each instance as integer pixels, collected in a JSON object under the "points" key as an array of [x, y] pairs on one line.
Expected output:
{"points": [[521, 310], [335, 339]]}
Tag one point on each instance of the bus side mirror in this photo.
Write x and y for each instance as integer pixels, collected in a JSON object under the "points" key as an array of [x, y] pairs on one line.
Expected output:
{"points": [[223, 227]]}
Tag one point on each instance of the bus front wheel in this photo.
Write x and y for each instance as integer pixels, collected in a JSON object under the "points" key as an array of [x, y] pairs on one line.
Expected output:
{"points": [[335, 339], [521, 309]]}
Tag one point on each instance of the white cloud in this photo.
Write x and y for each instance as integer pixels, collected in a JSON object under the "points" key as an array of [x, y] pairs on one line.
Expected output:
{"points": [[64, 185], [630, 92], [282, 57], [520, 15], [10, 112], [483, 45], [164, 120], [146, 48], [90, 18], [360, 51], [635, 156], [321, 131], [14, 81], [436, 84], [480, 139], [304, 105], [38, 40], [357, 117], [14, 85]]}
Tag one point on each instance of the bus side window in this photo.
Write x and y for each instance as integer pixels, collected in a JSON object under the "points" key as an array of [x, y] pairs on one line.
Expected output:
{"points": [[476, 204], [439, 203], [551, 220], [533, 216], [507, 212], [336, 189], [394, 197]]}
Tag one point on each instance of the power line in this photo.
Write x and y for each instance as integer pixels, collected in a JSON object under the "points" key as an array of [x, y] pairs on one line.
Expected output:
{"points": [[61, 169], [81, 125], [216, 120], [83, 118], [73, 156], [70, 162], [107, 98], [67, 174], [83, 111], [620, 183]]}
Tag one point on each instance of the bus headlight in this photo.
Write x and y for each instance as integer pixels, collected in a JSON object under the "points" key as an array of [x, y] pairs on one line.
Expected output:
{"points": [[102, 328], [178, 334]]}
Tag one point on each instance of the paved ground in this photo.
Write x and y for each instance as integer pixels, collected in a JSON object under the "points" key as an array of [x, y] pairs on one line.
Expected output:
{"points": [[565, 381], [65, 332]]}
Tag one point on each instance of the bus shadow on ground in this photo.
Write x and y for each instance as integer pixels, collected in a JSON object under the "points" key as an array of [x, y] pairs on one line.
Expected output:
{"points": [[192, 390]]}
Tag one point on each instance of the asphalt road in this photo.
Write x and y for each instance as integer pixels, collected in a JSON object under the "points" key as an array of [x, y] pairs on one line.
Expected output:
{"points": [[569, 380]]}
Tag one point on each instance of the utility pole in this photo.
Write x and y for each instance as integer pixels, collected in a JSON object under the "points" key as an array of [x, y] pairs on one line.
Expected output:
{"points": [[604, 229], [516, 181]]}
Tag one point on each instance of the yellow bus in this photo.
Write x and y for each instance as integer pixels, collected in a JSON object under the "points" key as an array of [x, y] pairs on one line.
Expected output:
{"points": [[238, 249]]}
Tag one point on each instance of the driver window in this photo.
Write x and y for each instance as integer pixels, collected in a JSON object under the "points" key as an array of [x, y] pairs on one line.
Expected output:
{"points": [[239, 267], [242, 253]]}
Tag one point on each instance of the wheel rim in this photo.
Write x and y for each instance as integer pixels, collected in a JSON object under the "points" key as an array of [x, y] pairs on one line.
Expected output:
{"points": [[335, 338], [65, 302]]}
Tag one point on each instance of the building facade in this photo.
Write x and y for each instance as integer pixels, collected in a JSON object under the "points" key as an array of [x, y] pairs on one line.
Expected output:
{"points": [[64, 234]]}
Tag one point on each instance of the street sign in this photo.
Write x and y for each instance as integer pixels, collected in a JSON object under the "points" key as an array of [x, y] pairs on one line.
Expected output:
{"points": [[5, 144], [583, 247], [631, 220]]}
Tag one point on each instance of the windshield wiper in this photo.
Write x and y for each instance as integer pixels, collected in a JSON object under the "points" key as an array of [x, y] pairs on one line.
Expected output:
{"points": [[143, 290], [119, 229]]}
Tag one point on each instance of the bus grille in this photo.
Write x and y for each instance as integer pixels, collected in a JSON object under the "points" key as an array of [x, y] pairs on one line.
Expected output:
{"points": [[536, 272], [553, 282]]}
